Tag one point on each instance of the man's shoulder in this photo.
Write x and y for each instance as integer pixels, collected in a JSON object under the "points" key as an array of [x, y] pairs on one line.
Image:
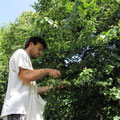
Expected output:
{"points": [[18, 53]]}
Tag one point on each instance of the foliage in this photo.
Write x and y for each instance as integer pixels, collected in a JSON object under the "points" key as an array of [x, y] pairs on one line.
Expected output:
{"points": [[83, 39], [83, 43]]}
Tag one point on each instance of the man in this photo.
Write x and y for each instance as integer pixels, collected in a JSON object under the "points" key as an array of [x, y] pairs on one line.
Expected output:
{"points": [[21, 77]]}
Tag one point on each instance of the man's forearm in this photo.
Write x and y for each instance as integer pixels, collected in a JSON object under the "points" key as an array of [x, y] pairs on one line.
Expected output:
{"points": [[36, 74], [32, 75], [42, 90]]}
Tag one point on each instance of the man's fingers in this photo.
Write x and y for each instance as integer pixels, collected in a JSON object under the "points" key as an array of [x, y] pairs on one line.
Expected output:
{"points": [[62, 86], [55, 73], [58, 73]]}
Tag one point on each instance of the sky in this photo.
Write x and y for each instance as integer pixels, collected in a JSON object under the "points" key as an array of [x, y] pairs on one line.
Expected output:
{"points": [[11, 9]]}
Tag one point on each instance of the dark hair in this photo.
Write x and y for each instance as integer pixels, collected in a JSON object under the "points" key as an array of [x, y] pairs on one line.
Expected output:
{"points": [[36, 40]]}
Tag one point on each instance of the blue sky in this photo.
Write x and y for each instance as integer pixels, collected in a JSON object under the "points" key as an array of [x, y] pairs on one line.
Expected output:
{"points": [[11, 9]]}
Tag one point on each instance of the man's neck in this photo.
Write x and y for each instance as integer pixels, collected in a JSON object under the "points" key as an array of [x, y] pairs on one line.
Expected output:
{"points": [[27, 51]]}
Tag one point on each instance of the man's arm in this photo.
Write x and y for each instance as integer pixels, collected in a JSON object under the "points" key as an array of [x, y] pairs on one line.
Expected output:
{"points": [[32, 75], [44, 89]]}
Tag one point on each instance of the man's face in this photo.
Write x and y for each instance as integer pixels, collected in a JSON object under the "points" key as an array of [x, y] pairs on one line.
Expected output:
{"points": [[36, 50]]}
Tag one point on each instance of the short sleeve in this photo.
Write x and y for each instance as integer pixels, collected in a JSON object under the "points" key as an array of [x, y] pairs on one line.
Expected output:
{"points": [[22, 60]]}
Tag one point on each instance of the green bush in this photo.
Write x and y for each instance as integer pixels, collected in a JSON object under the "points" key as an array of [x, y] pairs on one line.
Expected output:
{"points": [[83, 43]]}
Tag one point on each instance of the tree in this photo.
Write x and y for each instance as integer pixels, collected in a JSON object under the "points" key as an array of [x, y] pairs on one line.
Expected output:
{"points": [[83, 43], [87, 35]]}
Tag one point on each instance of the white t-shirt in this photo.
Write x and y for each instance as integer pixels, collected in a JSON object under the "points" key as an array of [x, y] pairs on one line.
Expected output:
{"points": [[17, 95]]}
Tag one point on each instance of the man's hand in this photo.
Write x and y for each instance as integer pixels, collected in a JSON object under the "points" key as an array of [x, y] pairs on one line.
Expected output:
{"points": [[62, 86], [54, 73]]}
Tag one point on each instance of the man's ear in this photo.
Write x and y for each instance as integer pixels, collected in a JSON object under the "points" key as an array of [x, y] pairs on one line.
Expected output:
{"points": [[31, 44]]}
